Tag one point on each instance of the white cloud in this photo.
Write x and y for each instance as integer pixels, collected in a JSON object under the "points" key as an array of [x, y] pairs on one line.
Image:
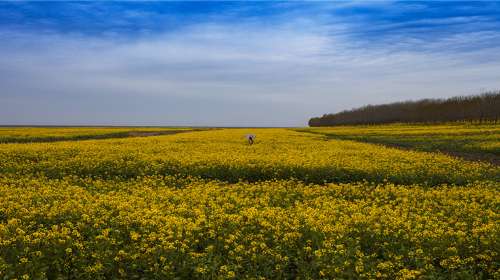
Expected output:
{"points": [[215, 74]]}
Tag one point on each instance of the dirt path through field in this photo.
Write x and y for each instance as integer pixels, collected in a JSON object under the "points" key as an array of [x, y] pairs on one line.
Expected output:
{"points": [[481, 157], [488, 158]]}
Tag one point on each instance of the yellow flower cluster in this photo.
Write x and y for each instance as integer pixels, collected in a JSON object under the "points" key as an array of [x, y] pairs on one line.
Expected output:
{"points": [[166, 227], [223, 155], [47, 134], [470, 138], [205, 205]]}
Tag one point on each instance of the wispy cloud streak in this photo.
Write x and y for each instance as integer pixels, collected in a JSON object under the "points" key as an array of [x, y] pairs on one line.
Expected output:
{"points": [[277, 69]]}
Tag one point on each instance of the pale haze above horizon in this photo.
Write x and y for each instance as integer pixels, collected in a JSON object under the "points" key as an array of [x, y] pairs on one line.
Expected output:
{"points": [[236, 63]]}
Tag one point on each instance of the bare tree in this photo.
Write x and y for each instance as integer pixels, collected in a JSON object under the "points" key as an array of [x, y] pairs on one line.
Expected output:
{"points": [[476, 108]]}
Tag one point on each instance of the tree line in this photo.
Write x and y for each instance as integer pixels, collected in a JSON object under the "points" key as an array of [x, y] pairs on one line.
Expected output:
{"points": [[476, 108]]}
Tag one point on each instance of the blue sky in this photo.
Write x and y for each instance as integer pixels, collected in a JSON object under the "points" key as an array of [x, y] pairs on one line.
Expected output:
{"points": [[236, 63]]}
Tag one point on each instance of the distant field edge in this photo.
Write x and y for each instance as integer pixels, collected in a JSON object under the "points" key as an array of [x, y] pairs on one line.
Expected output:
{"points": [[125, 134]]}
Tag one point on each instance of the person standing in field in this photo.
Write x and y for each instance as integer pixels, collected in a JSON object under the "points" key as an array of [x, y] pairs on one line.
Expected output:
{"points": [[250, 138]]}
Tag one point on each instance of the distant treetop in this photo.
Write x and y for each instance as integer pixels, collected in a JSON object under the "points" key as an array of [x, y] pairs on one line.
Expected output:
{"points": [[476, 108]]}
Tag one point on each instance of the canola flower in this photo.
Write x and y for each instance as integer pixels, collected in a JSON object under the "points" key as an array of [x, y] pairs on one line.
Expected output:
{"points": [[205, 205], [221, 154], [470, 138], [47, 134], [167, 227]]}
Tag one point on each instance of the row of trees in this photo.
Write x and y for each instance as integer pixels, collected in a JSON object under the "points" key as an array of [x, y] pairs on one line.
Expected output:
{"points": [[477, 108]]}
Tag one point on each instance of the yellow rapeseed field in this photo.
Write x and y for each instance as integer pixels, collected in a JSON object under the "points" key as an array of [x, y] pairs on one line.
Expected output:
{"points": [[206, 205], [47, 134], [223, 155], [471, 138]]}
